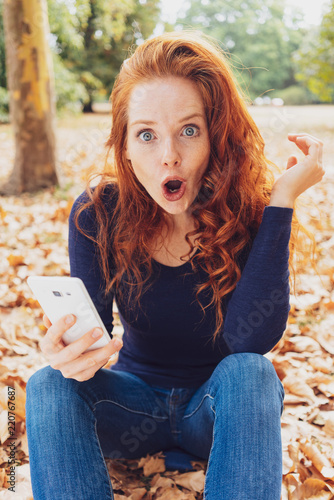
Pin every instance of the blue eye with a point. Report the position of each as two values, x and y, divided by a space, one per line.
146 135
192 128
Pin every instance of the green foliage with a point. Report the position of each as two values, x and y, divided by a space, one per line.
4 100
255 35
89 41
68 88
315 59
4 105
102 32
294 95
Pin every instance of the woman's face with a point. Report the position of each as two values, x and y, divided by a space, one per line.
168 140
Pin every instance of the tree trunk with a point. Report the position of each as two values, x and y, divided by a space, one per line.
32 101
88 107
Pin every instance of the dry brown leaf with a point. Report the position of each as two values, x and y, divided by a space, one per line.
327 389
326 342
137 494
315 489
299 388
290 458
152 464
172 494
307 302
329 305
319 460
161 482
2 477
193 481
15 260
303 343
284 492
4 432
292 399
321 364
288 463
329 424
293 484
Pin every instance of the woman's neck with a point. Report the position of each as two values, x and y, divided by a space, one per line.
179 225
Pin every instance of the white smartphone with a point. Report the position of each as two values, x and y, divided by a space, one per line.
62 295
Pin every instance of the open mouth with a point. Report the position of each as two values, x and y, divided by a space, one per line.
173 186
174 189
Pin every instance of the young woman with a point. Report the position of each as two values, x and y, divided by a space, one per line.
190 235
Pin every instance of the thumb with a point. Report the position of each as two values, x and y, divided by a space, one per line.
47 322
291 162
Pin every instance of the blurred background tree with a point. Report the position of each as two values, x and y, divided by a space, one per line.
89 41
30 80
91 38
315 58
256 36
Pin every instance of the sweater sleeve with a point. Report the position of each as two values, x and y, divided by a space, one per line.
258 310
84 261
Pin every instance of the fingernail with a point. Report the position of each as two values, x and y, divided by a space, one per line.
118 343
97 333
69 319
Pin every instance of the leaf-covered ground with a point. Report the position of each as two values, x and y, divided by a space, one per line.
33 241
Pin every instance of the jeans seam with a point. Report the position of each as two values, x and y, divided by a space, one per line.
190 414
129 409
104 462
208 464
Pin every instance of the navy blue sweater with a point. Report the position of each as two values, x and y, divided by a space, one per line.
167 342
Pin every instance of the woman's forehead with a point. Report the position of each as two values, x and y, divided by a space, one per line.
149 97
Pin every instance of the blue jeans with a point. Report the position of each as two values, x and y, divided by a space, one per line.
232 420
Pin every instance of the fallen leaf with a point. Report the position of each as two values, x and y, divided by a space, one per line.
318 459
152 464
193 481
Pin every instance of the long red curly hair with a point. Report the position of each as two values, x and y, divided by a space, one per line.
235 188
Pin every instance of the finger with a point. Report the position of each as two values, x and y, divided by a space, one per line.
314 152
46 321
292 161
293 137
92 360
308 146
52 342
49 350
302 134
57 330
71 352
88 373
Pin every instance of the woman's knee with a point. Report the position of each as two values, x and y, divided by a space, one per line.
248 372
46 380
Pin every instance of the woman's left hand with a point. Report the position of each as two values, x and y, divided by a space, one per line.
299 176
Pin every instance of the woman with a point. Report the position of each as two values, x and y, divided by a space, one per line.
190 236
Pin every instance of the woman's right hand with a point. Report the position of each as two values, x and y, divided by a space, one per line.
69 359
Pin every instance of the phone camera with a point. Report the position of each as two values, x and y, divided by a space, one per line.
57 294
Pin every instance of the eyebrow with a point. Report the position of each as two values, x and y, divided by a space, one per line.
148 122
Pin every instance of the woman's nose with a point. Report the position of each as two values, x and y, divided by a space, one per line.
170 154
